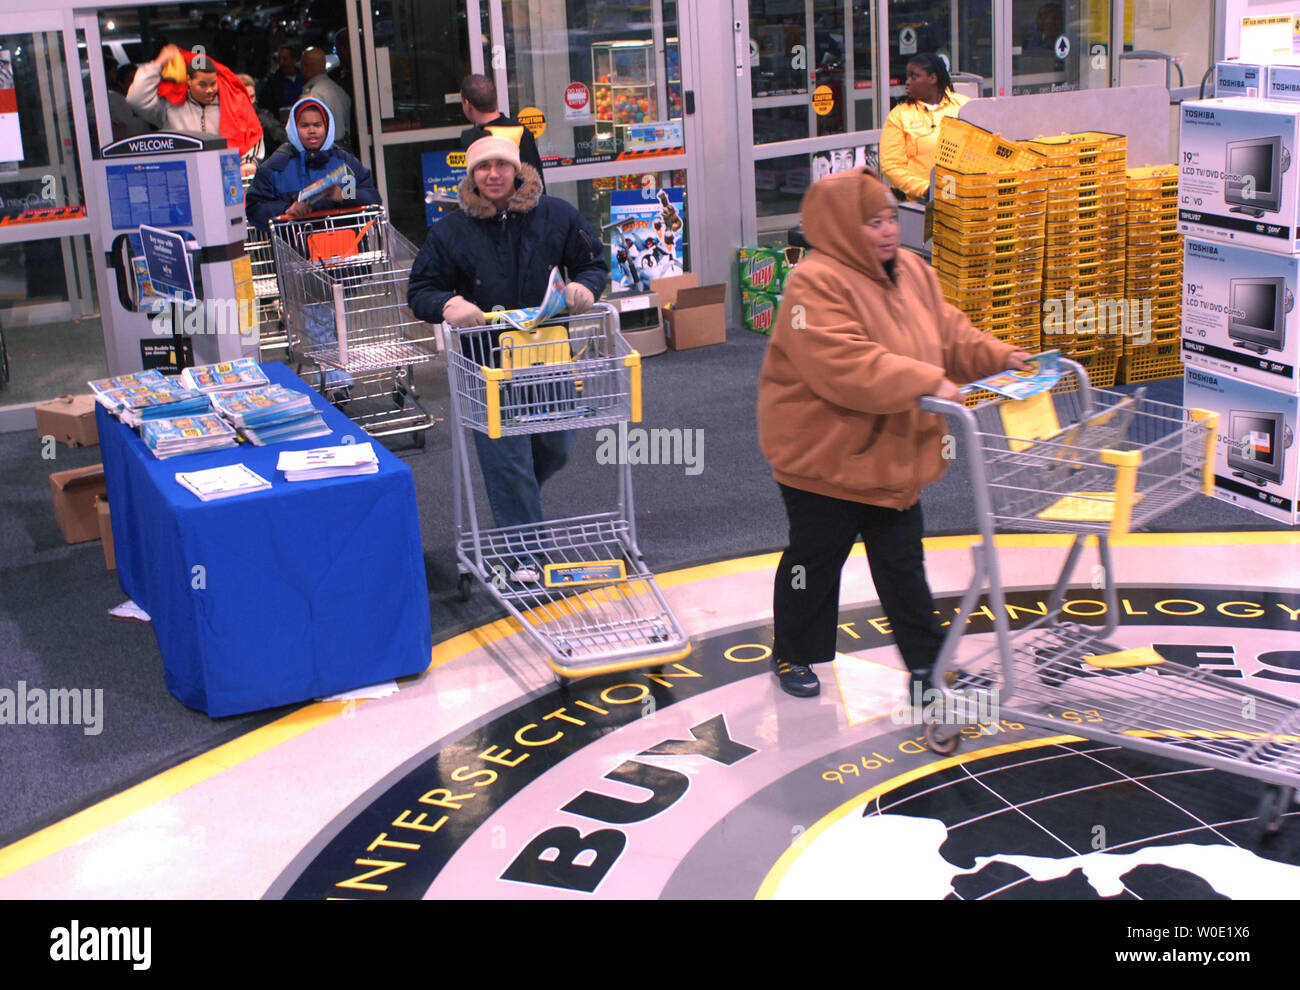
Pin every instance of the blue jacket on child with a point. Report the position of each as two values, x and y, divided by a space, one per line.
292 168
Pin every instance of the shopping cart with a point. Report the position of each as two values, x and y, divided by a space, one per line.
266 288
595 606
343 277
1098 463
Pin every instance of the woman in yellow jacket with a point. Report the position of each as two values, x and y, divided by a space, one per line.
911 136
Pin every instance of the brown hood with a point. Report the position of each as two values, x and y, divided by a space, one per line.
833 212
523 201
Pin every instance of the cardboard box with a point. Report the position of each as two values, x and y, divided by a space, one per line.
758 310
74 495
1238 79
1239 313
1255 461
1236 179
105 532
765 269
694 315
70 419
1282 82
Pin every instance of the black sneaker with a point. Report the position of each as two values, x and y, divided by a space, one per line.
796 679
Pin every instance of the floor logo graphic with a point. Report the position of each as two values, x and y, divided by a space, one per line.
699 779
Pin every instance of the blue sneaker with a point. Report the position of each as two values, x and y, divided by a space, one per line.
796 679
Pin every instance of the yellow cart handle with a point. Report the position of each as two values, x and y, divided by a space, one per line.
1211 423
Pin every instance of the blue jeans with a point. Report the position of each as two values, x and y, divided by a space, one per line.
514 470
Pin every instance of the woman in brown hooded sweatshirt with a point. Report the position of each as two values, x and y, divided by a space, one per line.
862 334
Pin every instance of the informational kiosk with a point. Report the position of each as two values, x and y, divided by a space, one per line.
175 284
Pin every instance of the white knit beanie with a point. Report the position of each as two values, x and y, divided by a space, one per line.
488 148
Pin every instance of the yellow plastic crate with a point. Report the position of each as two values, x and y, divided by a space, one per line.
971 149
1149 362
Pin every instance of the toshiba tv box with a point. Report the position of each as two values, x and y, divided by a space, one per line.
1239 313
1236 182
1255 460
1239 79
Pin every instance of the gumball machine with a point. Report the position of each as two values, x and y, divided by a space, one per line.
624 89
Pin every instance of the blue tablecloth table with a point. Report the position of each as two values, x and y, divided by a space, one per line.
274 597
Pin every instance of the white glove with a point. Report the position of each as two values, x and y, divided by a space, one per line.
460 313
578 298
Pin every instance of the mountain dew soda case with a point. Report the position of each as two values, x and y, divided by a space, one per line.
760 269
759 310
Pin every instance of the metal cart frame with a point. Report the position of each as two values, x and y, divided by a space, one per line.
343 278
1115 463
596 607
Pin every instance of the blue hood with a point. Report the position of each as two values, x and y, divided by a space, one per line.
291 128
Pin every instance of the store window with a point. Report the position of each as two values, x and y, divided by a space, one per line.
424 44
811 68
599 80
44 279
1060 45
961 33
1181 29
779 183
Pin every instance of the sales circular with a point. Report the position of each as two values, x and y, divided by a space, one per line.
701 779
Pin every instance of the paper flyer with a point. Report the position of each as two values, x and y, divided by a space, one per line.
336 177
1045 372
553 303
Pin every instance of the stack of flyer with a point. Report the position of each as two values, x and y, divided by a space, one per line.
328 462
108 391
228 376
271 414
222 482
135 404
187 435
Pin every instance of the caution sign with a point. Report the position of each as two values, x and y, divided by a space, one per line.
534 120
823 100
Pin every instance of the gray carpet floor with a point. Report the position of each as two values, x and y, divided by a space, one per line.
55 631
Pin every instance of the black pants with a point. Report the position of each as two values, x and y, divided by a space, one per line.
806 602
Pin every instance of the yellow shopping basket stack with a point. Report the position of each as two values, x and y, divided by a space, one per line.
987 230
1083 280
1154 275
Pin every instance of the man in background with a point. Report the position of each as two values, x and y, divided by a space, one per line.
478 101
126 123
283 85
319 86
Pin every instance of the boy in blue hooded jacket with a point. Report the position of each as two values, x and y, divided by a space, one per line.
309 156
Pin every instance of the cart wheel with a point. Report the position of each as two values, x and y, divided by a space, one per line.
420 438
464 585
658 631
942 739
1273 804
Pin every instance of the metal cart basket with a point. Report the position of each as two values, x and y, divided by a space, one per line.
594 607
266 288
1098 463
343 277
